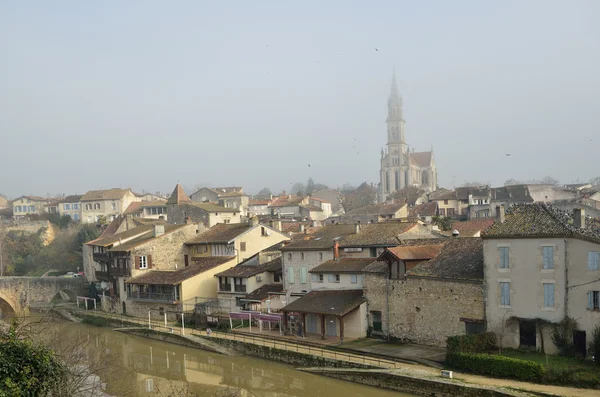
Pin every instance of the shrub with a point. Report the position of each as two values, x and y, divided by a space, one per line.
96 321
594 347
496 366
478 343
575 377
562 337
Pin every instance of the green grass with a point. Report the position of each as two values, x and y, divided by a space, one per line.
37 273
552 361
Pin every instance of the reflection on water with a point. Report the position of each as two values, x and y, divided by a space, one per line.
144 367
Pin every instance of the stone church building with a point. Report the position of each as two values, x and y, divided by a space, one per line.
399 166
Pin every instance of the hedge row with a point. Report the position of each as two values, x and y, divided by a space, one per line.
478 343
496 366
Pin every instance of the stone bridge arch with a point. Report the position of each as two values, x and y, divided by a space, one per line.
7 308
19 293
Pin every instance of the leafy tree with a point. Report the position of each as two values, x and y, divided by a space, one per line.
472 184
361 197
594 347
311 186
443 222
511 181
548 180
298 188
102 220
86 233
265 192
26 368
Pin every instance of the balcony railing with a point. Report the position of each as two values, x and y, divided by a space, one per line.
225 287
120 272
151 296
100 257
240 288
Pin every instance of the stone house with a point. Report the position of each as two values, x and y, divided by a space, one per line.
288 206
312 212
71 206
331 196
107 203
425 211
453 204
28 205
345 276
238 240
180 208
541 265
423 293
370 240
132 253
479 202
238 286
324 205
258 207
228 197
3 202
156 209
306 252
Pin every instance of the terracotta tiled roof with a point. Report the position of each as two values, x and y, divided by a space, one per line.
174 277
136 206
73 198
33 198
377 234
438 193
178 196
332 302
415 252
259 202
252 270
319 239
408 194
221 233
425 209
469 228
145 238
263 292
343 265
540 220
111 194
421 159
284 201
378 209
459 259
230 194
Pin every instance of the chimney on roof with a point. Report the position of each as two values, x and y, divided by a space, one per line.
315 223
302 228
500 214
357 228
188 220
253 221
270 196
277 225
579 218
336 250
289 196
158 230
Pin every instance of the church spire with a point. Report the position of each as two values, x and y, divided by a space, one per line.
395 112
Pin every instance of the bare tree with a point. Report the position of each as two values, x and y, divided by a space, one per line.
595 181
511 181
549 180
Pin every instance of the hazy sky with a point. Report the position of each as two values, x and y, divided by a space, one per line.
143 94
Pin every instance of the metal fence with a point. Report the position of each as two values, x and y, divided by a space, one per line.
259 340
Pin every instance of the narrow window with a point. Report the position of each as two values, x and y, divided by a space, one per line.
289 256
291 274
548 257
143 262
505 294
303 275
594 300
243 246
593 260
549 295
503 252
354 278
320 256
302 256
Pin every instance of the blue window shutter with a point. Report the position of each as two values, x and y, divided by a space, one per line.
291 274
303 275
548 295
548 257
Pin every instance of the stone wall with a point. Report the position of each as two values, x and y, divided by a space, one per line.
409 384
176 214
423 310
140 309
17 293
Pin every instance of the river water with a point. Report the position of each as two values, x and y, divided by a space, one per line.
136 366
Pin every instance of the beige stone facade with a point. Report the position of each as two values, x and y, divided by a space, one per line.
106 203
28 205
422 310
